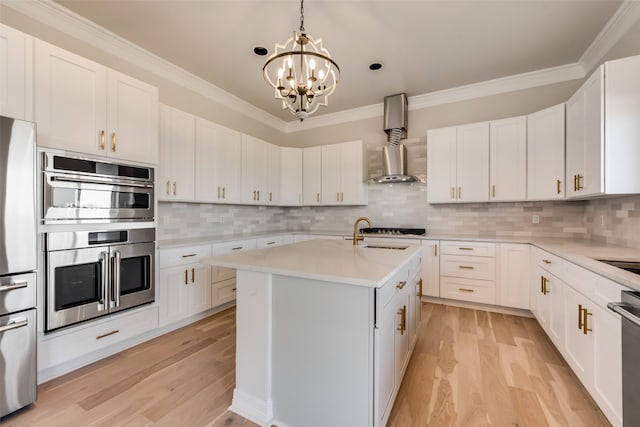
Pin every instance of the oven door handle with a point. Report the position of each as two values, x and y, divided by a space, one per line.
107 181
117 261
104 298
622 309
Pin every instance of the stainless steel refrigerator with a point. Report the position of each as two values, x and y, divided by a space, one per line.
18 262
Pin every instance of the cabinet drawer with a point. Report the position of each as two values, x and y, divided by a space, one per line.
482 291
219 274
553 264
393 285
268 242
484 249
470 267
182 256
224 292
65 346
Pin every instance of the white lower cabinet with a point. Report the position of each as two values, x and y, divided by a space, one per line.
513 275
430 268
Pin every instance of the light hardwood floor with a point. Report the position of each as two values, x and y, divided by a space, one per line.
469 368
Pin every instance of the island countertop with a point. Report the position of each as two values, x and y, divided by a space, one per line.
335 261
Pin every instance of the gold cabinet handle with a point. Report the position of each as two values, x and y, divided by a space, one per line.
419 294
193 275
541 284
585 327
223 195
186 277
401 285
435 250
459 192
575 182
558 185
338 196
466 267
108 334
493 190
234 289
258 194
270 196
318 197
218 192
254 194
465 249
544 286
453 193
188 255
403 319
168 188
102 135
113 142
465 290
174 188
546 261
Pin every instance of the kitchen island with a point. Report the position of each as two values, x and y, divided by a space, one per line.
325 330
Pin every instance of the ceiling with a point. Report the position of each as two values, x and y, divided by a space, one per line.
425 46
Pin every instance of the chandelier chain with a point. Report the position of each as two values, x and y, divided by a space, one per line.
301 15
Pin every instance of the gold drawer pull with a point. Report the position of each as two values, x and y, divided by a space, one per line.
465 290
465 249
419 294
546 261
193 275
558 184
401 285
223 196
218 192
113 142
108 334
188 255
453 193
466 267
102 139
186 277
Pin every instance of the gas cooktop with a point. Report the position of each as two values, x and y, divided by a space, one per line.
394 231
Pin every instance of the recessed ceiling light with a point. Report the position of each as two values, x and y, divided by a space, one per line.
260 50
375 66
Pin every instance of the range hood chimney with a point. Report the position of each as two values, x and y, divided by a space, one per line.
394 155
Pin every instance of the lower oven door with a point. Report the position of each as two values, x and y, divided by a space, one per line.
132 281
76 285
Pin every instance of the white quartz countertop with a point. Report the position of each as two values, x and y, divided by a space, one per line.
336 261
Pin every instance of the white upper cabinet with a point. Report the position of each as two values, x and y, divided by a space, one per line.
603 132
218 163
13 72
290 176
545 154
330 174
274 166
508 159
176 170
441 165
254 170
342 175
82 106
311 175
458 164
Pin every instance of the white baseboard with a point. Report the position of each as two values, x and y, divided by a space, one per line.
255 410
479 306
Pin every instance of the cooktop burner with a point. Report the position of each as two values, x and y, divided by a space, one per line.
391 230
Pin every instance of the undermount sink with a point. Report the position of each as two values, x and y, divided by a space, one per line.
632 266
401 248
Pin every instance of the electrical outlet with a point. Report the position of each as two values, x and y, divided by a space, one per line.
535 219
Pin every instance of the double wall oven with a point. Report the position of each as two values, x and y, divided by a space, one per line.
95 270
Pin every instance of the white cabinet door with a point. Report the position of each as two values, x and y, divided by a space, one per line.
508 159
543 300
441 165
430 268
607 364
132 118
274 166
173 304
311 175
575 142
385 360
70 101
579 341
472 172
176 171
352 187
545 154
330 194
198 289
555 294
513 275
218 163
291 176
13 72
254 170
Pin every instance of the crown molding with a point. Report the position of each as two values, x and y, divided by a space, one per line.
59 18
625 17
513 83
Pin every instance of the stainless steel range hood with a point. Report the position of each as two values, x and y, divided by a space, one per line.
394 155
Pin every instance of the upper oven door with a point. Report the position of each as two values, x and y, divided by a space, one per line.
77 285
72 198
132 281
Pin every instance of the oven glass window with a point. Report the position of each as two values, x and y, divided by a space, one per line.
135 274
77 285
95 199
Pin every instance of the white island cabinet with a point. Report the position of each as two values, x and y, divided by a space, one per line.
325 330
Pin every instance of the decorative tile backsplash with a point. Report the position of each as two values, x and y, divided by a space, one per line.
614 220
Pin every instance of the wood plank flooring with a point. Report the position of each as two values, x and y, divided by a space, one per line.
469 368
